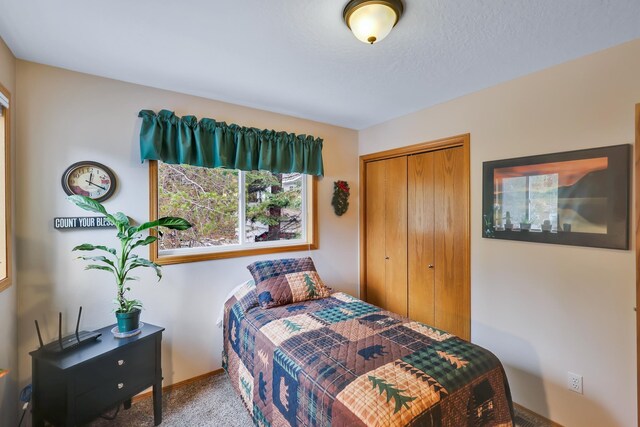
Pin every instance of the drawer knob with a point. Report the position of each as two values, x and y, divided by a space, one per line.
120 385
120 362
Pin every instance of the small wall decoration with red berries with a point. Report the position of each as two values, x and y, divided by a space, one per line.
340 199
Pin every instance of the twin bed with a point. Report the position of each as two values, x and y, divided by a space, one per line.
299 355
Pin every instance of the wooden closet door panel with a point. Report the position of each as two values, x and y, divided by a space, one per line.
420 237
396 234
375 233
452 291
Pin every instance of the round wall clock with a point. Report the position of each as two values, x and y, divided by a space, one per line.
91 179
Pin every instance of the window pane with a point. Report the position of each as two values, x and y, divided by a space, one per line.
543 194
207 198
514 199
273 206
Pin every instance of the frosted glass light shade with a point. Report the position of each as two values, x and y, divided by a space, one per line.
372 20
372 23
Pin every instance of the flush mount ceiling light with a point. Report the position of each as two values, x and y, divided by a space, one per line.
372 20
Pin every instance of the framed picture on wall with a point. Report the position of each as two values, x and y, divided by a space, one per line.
572 198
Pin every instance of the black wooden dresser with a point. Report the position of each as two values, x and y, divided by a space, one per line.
74 387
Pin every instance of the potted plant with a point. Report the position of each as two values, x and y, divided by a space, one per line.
508 225
122 261
525 223
546 225
488 227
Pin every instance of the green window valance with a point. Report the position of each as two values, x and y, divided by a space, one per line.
212 144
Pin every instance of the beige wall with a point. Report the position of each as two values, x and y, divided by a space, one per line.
64 117
8 319
547 309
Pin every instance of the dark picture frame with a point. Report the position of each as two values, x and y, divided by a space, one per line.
578 198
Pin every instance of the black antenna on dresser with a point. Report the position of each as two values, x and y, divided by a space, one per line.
39 335
78 323
60 330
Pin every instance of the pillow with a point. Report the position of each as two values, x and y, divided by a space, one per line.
245 298
283 281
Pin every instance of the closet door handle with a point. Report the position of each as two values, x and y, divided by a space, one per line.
430 266
386 257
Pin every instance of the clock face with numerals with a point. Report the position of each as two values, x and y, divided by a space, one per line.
91 179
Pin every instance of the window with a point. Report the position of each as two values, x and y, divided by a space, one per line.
531 199
234 213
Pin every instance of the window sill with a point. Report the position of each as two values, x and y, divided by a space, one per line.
208 256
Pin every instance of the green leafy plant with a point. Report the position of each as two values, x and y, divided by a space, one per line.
526 220
488 227
121 262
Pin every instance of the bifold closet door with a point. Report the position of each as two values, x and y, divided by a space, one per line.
421 258
438 221
386 233
375 235
451 207
396 234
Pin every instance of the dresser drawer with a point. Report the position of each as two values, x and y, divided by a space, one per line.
107 394
132 361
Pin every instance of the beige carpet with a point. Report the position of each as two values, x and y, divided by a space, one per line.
211 402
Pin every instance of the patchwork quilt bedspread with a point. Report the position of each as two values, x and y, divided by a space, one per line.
339 361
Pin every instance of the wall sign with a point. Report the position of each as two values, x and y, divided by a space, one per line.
81 222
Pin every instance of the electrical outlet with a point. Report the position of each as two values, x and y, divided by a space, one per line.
574 382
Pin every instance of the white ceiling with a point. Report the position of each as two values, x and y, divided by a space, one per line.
297 57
